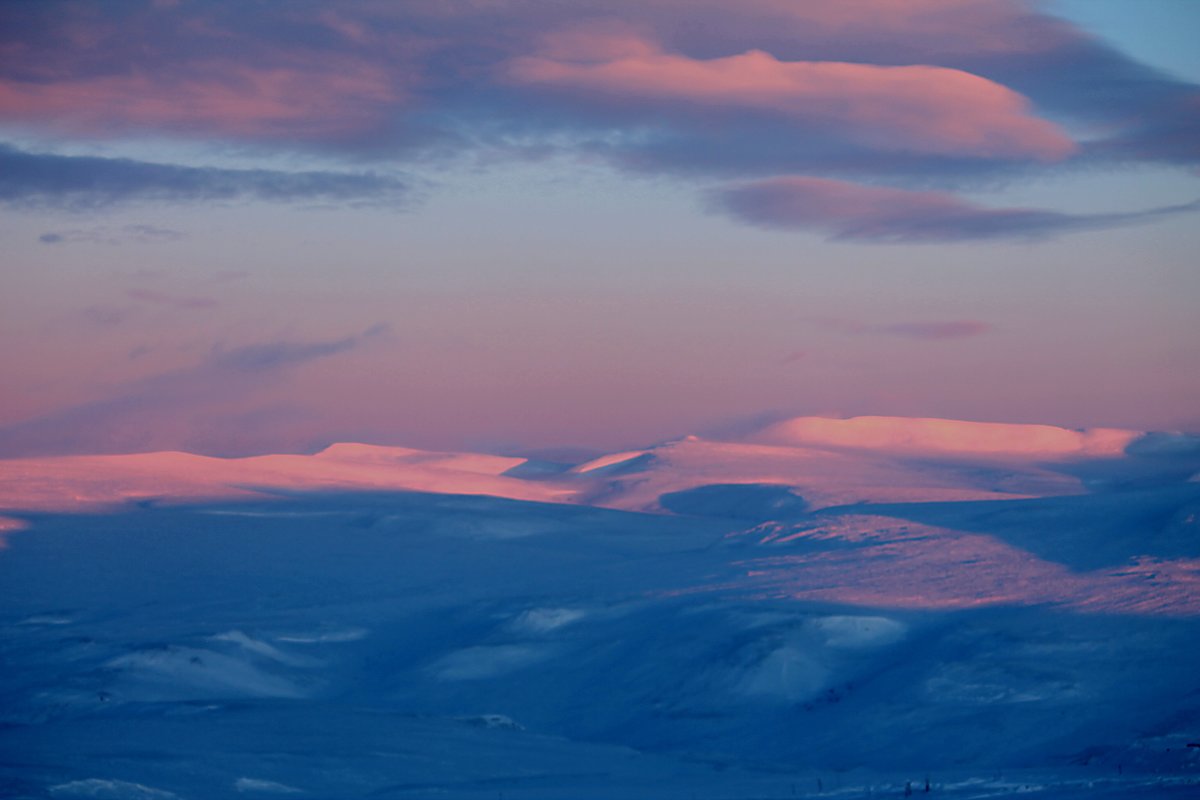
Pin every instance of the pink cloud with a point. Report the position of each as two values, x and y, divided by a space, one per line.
321 101
920 108
895 90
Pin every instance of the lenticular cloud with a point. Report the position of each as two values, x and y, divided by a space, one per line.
938 93
852 212
920 108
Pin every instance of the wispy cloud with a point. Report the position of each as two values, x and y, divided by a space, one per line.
153 233
854 212
169 409
142 234
272 356
930 330
89 182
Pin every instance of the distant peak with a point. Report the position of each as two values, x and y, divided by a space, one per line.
357 450
383 456
624 462
946 436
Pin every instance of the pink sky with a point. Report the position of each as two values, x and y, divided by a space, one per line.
531 225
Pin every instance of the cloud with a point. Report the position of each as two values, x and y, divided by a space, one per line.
143 234
917 94
276 355
1127 109
173 409
88 182
153 233
909 108
852 212
1172 137
368 76
932 330
195 72
328 100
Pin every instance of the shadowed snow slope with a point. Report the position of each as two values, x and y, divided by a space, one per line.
792 620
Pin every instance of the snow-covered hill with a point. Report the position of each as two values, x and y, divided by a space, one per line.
948 437
840 608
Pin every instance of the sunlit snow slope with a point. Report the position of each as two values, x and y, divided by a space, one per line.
827 607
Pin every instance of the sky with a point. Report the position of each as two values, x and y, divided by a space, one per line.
523 225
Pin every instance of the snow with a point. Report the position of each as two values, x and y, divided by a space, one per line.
365 454
192 673
818 477
697 619
259 785
544 620
948 437
96 481
855 633
109 790
474 663
320 637
613 462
